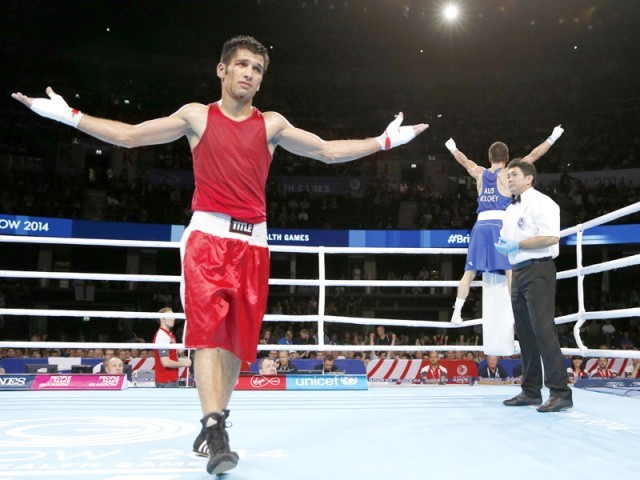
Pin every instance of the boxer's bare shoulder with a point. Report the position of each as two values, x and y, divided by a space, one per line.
195 117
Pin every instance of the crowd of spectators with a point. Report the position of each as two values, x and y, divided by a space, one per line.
45 194
283 335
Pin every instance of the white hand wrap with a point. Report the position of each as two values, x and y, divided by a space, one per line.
395 135
555 135
451 145
57 109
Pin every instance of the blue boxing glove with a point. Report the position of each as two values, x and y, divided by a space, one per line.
506 246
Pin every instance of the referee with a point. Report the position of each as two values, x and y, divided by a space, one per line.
530 236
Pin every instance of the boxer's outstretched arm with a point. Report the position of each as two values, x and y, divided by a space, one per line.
160 130
544 147
470 166
307 144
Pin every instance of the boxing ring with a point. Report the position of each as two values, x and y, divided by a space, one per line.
400 432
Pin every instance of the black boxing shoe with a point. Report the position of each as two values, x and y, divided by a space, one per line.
522 400
200 446
221 458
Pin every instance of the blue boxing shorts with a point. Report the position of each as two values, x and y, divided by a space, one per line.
482 256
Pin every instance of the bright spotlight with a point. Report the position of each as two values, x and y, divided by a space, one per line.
451 12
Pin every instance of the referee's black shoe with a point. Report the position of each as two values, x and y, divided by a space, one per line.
522 400
555 405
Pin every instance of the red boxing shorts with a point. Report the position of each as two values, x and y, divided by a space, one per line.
225 283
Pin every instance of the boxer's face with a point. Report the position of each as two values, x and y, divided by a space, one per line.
242 76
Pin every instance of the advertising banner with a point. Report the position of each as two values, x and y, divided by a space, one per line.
65 228
35 226
16 382
79 382
302 382
261 382
327 382
403 371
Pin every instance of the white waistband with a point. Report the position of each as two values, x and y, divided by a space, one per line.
220 225
491 215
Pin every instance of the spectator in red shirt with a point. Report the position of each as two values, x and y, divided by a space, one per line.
576 371
167 363
434 372
603 370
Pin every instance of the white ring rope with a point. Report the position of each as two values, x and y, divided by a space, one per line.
89 242
272 248
41 312
89 276
269 317
272 281
298 348
580 272
601 267
606 218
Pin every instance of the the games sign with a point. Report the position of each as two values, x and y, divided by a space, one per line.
459 238
16 382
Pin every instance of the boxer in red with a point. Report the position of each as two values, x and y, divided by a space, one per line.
224 250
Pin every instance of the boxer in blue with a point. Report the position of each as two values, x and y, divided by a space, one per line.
493 199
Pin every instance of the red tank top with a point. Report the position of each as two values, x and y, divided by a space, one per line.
165 375
231 164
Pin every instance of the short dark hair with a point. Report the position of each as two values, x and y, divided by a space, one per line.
261 362
245 42
527 168
498 153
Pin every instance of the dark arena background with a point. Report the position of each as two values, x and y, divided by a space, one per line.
89 232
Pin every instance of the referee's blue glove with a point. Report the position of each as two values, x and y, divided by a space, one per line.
506 246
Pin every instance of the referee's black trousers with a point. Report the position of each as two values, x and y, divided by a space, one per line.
533 295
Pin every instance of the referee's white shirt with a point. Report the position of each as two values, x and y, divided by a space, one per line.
535 215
